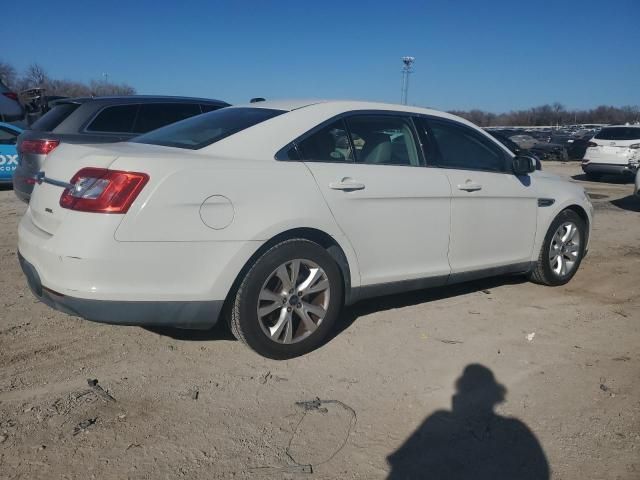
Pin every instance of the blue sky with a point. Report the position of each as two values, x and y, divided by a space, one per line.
491 54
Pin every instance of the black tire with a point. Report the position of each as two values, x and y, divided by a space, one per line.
543 273
243 316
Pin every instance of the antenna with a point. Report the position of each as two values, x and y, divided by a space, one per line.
407 69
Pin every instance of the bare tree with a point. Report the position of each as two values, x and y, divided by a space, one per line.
101 88
36 76
8 74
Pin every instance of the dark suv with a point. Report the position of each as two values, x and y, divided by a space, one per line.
97 120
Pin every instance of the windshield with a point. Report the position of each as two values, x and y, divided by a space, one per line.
202 130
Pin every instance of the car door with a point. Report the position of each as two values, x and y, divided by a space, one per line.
393 210
493 211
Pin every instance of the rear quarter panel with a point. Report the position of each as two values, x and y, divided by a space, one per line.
267 197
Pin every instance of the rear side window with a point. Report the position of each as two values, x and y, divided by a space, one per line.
116 119
383 140
329 144
54 117
202 130
156 115
207 107
461 147
619 133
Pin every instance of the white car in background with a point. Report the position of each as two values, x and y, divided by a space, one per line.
614 150
276 214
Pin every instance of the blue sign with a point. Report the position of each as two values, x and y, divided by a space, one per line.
8 152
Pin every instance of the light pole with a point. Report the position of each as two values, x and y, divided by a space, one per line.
407 69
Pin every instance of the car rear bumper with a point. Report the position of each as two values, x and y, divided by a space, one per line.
608 168
82 270
180 314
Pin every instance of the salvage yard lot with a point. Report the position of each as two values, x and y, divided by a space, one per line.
200 405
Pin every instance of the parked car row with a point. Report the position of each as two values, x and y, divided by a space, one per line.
528 144
273 215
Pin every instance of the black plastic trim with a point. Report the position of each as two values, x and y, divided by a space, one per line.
546 202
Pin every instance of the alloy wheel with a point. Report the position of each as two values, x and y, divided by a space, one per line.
293 301
564 250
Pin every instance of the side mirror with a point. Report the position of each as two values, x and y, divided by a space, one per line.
523 165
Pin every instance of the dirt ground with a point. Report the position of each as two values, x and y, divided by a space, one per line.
410 386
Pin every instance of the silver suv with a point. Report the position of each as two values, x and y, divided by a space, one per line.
98 120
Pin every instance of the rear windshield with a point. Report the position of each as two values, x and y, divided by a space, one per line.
54 117
205 129
619 133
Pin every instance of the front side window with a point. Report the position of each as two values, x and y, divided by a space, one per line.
156 115
116 119
202 130
383 140
461 147
329 144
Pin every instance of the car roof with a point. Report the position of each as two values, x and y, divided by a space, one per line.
347 105
140 99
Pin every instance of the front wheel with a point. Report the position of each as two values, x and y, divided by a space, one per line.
562 250
288 301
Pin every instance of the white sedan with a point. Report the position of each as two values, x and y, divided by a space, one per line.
274 215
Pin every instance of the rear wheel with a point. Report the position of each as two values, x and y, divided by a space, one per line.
288 301
562 250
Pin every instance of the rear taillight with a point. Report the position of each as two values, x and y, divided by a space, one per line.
592 144
39 147
103 191
635 146
11 95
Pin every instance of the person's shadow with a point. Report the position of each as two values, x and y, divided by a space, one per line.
471 441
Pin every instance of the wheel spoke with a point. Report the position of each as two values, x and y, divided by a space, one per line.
295 270
572 232
572 250
317 310
288 333
558 264
281 324
283 276
269 296
318 287
266 310
307 321
314 275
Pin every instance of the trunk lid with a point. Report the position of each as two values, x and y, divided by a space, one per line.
60 165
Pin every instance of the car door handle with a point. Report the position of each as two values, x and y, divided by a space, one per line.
470 187
346 184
